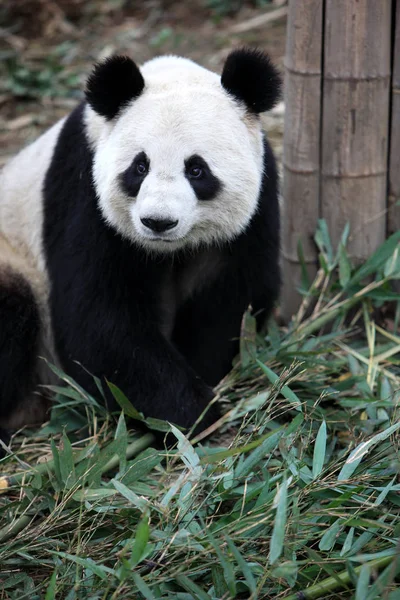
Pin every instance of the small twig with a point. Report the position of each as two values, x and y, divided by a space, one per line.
260 20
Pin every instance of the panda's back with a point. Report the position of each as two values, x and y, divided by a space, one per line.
21 200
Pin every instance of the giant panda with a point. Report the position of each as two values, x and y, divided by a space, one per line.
135 233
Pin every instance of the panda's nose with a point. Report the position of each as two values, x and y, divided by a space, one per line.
159 225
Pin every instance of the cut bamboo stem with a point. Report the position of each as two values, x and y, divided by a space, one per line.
394 160
301 160
355 121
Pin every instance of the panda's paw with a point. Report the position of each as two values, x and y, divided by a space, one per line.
201 409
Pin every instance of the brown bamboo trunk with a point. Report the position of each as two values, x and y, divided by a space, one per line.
301 158
394 160
355 120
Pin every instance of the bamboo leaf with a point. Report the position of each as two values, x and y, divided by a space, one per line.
347 542
329 538
285 390
344 267
362 449
87 563
377 260
244 567
124 403
363 582
51 588
141 540
66 462
133 498
268 445
319 451
197 593
143 587
278 532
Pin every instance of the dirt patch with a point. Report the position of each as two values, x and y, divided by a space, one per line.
46 55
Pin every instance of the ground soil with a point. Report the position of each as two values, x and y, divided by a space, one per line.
58 43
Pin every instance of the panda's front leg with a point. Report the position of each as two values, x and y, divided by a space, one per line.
138 359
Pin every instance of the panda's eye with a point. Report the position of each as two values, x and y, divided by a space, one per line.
200 176
195 172
141 168
132 178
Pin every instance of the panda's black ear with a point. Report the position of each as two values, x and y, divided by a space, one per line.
250 77
113 84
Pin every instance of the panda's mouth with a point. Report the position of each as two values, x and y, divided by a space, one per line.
161 239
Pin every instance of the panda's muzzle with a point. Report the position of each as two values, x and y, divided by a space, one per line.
159 225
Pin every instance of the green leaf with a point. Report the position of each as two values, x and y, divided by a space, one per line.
377 260
87 563
344 267
66 463
124 403
385 492
278 532
141 466
285 390
228 573
323 241
287 570
243 565
51 588
363 582
121 436
319 451
188 453
382 583
143 587
141 540
347 542
220 587
197 593
362 449
329 538
392 266
268 446
139 503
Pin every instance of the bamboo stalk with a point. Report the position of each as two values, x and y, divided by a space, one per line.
301 155
394 160
355 121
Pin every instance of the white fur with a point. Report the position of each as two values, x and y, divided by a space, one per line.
21 199
21 219
182 111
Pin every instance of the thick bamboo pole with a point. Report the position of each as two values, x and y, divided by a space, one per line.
355 120
301 160
394 160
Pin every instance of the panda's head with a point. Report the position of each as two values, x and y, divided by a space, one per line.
178 150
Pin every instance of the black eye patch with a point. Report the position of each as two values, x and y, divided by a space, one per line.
203 181
132 178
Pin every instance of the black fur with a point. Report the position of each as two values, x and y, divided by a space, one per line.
131 179
250 77
105 293
19 335
113 84
206 186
